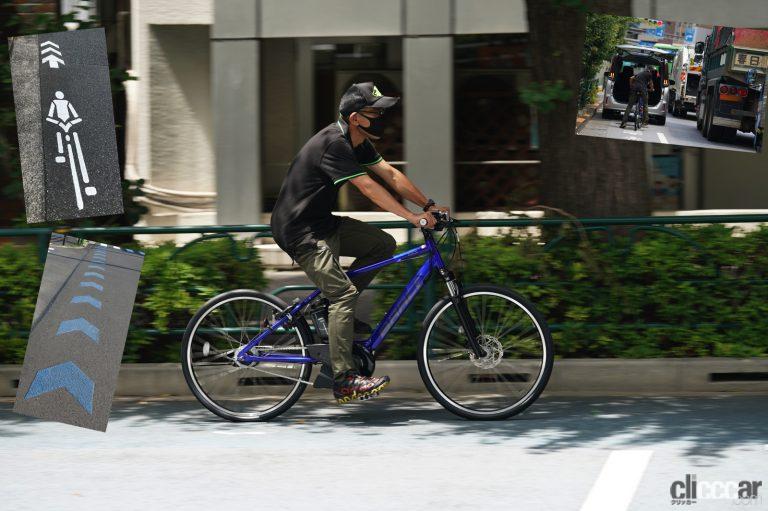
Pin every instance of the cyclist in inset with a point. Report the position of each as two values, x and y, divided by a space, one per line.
303 226
639 85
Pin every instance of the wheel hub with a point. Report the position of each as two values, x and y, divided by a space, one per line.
493 352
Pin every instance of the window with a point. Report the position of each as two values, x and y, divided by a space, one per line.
494 138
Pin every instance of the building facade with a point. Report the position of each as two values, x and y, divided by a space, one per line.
229 90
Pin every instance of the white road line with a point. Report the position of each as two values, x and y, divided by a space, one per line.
618 480
662 138
226 432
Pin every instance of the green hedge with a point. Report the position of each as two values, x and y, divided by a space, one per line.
696 291
703 294
170 291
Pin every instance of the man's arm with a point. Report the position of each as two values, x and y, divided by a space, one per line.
382 198
399 182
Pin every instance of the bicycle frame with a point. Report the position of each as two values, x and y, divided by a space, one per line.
639 109
432 262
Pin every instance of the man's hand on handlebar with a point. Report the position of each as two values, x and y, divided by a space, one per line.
444 209
428 217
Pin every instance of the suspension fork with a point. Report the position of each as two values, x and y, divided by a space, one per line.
465 318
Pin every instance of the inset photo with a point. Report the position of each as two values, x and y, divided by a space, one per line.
78 332
66 128
674 82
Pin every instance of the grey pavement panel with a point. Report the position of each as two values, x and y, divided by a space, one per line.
66 125
26 95
78 334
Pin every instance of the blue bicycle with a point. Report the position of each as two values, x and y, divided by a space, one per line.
639 111
484 351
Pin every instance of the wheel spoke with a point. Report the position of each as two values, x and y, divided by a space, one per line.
226 326
511 369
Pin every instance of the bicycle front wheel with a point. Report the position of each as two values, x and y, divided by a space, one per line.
235 391
515 369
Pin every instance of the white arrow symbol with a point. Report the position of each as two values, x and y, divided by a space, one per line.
53 61
51 50
51 43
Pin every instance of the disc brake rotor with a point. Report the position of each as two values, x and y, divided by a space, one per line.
493 352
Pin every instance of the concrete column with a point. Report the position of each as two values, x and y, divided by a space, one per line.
236 105
305 91
428 115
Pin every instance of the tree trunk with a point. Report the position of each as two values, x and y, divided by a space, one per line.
585 176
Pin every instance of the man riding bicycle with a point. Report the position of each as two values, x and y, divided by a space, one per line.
639 85
304 227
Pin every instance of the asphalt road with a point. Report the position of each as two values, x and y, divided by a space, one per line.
391 453
676 131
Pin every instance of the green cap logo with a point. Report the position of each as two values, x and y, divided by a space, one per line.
376 92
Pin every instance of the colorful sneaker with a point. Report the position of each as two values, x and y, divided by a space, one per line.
354 386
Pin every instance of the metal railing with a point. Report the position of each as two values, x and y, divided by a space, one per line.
638 224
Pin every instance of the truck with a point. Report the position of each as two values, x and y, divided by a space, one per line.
686 70
761 113
725 101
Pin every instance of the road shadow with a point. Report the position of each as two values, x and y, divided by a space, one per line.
706 426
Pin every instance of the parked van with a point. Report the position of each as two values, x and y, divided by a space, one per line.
616 95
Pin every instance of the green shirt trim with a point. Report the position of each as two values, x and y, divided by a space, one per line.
348 177
373 162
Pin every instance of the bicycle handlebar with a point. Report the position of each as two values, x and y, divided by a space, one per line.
442 219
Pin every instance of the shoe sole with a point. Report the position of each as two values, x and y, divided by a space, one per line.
362 396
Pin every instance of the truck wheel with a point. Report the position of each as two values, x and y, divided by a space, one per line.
699 120
707 119
714 133
727 134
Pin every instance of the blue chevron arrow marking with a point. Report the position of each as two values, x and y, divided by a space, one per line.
79 325
86 299
96 267
68 376
93 274
93 285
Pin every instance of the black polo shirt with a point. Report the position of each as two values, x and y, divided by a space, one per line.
302 213
642 79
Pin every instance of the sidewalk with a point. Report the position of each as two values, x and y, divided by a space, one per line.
586 113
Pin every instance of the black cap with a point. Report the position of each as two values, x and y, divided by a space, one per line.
361 95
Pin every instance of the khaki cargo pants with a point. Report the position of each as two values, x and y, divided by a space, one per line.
368 244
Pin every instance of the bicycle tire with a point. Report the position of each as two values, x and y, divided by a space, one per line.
529 398
299 388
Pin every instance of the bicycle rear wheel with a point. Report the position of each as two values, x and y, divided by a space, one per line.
232 390
518 361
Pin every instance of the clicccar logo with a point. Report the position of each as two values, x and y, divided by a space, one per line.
691 490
